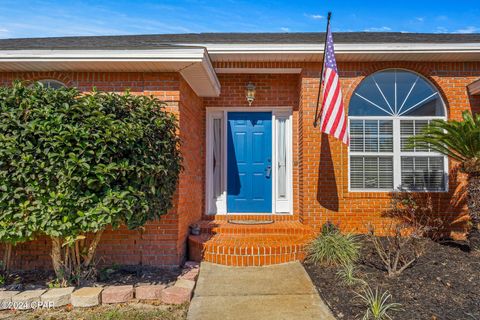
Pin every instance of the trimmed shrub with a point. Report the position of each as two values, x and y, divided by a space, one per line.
73 164
399 251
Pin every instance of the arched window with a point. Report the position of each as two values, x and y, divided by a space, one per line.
54 84
386 109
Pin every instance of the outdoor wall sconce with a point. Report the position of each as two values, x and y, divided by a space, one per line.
250 93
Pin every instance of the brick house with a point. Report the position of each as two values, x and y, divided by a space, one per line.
266 161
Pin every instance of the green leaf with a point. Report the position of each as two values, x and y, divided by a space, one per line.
74 163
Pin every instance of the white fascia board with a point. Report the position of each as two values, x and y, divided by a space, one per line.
199 53
210 70
199 73
343 48
179 54
346 52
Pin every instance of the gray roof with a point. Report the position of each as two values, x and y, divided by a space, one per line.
155 41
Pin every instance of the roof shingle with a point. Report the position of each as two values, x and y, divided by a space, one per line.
156 41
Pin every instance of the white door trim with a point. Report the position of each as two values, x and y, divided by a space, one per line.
219 205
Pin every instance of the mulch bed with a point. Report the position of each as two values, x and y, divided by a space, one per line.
114 275
443 284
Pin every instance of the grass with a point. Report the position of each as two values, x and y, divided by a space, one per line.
131 311
334 248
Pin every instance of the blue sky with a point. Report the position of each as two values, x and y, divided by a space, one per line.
32 18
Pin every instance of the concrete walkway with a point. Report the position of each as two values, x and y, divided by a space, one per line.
274 292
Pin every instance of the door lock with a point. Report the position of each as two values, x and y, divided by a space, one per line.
268 172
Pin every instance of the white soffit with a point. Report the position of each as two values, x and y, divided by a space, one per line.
348 52
474 88
260 70
192 63
203 77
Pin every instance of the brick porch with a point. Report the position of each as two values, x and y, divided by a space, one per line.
250 245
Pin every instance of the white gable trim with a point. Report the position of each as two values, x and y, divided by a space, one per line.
192 63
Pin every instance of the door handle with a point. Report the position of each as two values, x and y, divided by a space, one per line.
268 172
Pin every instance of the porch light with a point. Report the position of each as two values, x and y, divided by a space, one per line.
250 93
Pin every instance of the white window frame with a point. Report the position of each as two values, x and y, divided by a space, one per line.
218 206
397 154
47 82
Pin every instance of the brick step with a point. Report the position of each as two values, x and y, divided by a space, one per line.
255 217
278 227
248 249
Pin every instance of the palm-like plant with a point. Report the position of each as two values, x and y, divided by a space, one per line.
377 303
460 140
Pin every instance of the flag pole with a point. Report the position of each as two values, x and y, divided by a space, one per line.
315 121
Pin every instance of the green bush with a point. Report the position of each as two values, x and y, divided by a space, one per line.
73 164
333 248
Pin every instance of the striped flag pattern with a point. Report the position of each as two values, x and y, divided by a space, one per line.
334 121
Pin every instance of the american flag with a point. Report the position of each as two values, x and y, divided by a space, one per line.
334 120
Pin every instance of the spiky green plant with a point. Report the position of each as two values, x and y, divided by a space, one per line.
377 304
347 275
334 248
460 140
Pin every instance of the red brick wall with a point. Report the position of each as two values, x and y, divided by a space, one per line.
162 242
324 174
192 183
320 172
321 163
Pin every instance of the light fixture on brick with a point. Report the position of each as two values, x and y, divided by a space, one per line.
250 92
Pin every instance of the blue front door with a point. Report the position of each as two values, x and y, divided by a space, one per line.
249 187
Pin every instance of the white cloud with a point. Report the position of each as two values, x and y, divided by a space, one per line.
469 29
285 29
420 19
378 29
4 33
314 16
441 30
50 20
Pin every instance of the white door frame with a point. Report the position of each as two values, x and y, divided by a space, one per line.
219 205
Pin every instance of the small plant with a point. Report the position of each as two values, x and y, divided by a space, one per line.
334 248
329 227
347 275
107 272
2 279
378 305
416 211
57 283
397 252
